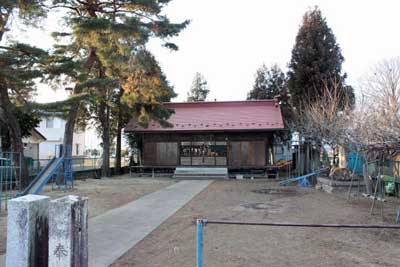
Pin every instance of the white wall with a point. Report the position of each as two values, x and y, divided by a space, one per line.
55 133
55 136
79 145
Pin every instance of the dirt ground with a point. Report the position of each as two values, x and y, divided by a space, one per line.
104 194
173 243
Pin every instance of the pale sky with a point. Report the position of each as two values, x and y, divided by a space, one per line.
229 39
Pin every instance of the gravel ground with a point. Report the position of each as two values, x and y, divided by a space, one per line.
104 194
173 243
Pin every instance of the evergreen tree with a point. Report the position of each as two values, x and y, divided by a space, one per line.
106 34
27 118
146 89
269 83
20 65
316 62
143 94
199 89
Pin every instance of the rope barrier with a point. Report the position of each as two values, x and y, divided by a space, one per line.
203 222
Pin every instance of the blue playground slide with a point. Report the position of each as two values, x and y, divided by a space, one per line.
58 165
43 177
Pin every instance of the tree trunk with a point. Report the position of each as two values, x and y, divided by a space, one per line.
308 159
317 157
104 117
367 182
119 133
15 133
118 149
69 129
3 21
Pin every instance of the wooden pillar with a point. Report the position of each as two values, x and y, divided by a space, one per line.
367 182
307 158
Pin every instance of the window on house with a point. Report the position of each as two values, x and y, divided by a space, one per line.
77 149
50 123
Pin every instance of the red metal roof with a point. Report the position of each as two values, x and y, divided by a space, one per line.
255 115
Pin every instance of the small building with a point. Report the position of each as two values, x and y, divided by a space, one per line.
31 144
234 134
53 129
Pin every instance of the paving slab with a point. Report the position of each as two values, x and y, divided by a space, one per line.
114 232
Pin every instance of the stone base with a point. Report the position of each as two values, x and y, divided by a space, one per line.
68 232
330 186
27 231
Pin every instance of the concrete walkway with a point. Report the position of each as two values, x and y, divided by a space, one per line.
114 232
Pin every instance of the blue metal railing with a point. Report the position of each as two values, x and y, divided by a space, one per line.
199 242
78 163
10 176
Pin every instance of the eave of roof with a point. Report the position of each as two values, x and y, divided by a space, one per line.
40 134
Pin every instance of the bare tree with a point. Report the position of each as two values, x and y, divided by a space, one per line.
327 120
377 120
375 127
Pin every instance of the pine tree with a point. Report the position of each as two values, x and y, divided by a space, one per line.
142 95
107 33
20 64
199 89
146 89
316 62
269 83
27 119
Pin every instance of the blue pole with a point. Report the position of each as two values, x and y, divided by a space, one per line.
199 243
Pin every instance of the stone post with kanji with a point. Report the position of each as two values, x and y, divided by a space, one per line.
27 231
68 232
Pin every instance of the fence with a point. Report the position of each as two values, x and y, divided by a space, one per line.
78 164
200 223
10 176
387 170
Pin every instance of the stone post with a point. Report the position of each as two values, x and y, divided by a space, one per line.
27 231
68 232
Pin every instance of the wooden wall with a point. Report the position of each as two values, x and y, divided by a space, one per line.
243 149
161 154
246 153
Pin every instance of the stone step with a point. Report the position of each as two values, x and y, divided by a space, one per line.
200 173
203 174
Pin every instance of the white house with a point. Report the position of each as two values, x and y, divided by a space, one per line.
53 129
32 143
